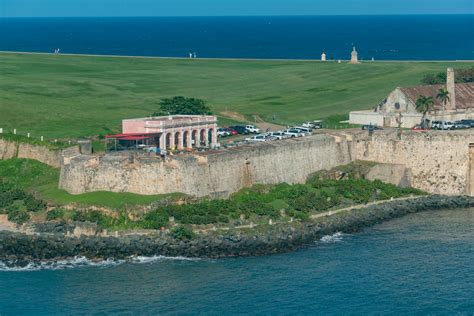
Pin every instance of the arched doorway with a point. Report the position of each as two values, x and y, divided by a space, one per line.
176 143
210 135
169 140
195 138
186 140
204 137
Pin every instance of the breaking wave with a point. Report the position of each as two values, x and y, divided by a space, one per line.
333 238
78 262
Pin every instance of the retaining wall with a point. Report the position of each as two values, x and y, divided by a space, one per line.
10 149
437 162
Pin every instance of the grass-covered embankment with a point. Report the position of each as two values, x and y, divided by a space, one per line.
42 181
257 205
74 96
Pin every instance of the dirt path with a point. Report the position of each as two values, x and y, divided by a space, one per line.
356 207
329 213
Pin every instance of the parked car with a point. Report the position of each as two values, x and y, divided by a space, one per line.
293 133
446 125
461 125
419 128
240 129
231 131
278 135
252 129
257 138
305 130
468 122
436 125
314 124
371 127
222 132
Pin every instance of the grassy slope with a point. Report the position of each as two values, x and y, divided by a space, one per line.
40 179
59 96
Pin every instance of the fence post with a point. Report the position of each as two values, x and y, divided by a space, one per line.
28 135
14 131
1 130
41 138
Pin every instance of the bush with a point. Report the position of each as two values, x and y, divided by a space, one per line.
98 217
182 233
18 215
55 214
155 220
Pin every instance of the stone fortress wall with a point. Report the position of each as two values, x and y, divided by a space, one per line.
438 162
11 149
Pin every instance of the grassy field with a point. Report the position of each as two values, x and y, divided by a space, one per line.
72 96
42 180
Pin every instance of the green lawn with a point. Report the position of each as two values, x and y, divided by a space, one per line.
72 96
42 180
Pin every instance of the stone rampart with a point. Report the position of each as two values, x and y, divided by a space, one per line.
11 149
218 173
437 162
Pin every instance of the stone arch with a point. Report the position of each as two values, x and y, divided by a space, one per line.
176 140
195 138
203 137
186 139
169 138
211 135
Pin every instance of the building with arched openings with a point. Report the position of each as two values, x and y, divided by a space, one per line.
180 132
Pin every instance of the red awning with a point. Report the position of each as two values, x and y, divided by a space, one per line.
131 136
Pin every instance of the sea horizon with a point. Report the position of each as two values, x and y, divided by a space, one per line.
304 37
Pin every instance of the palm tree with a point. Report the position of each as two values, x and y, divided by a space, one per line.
424 105
444 97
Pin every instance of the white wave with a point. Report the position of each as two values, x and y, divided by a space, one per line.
78 262
333 238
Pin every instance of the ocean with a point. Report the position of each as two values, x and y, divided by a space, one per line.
413 37
417 264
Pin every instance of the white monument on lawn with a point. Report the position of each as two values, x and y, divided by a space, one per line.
354 56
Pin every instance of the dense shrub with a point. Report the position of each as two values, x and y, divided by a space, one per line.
18 215
55 214
182 233
9 194
103 220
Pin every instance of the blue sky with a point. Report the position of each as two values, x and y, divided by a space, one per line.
10 8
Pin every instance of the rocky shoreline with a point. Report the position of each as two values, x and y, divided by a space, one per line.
19 249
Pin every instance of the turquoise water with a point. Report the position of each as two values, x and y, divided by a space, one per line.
419 264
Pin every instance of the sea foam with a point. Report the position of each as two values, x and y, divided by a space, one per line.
79 262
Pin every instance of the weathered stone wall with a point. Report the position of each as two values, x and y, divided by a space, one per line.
437 162
217 173
9 149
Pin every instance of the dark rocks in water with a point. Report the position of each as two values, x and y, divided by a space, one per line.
50 242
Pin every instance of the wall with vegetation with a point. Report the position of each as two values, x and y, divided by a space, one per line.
12 149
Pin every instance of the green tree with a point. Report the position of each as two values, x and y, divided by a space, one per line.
424 105
182 105
444 97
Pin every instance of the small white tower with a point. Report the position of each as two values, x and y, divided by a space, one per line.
323 56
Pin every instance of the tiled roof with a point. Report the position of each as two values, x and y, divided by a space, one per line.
464 94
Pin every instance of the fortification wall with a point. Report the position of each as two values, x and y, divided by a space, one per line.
9 149
218 174
438 162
